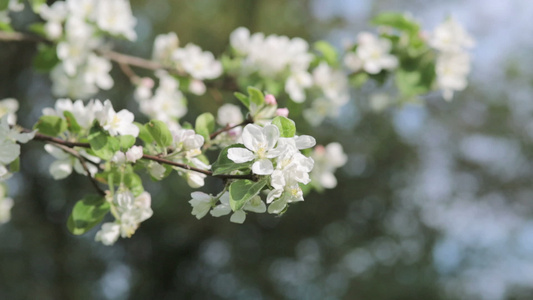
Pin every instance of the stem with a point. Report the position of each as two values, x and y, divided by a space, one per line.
69 145
228 127
83 164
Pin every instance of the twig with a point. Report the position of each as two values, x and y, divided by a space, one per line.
21 37
68 145
134 78
83 164
228 127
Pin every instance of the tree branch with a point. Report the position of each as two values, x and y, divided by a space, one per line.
248 120
69 145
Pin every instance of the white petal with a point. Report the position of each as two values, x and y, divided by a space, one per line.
277 206
220 210
251 135
274 194
238 217
272 135
60 169
263 167
304 141
240 155
8 152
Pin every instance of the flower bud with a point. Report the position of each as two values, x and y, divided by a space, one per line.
284 112
270 99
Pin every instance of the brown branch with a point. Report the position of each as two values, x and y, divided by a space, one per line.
83 164
228 128
134 78
68 145
22 37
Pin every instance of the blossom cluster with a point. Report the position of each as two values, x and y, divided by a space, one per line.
129 211
327 159
190 59
77 26
453 61
371 55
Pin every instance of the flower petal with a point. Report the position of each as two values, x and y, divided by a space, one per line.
240 155
263 167
238 217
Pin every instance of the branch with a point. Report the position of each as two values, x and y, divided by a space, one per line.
83 164
248 120
22 37
69 145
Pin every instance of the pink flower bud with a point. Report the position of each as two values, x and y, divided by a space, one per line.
284 112
320 150
270 99
147 82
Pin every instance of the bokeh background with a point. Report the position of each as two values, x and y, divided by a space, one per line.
435 202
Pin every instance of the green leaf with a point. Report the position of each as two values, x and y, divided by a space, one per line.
87 213
103 145
241 191
205 124
328 52
4 4
36 4
51 125
417 81
256 96
72 124
144 134
160 133
46 58
357 80
398 21
243 98
6 27
134 183
14 166
126 141
37 28
286 126
224 165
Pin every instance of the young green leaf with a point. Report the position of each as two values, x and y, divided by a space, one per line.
45 59
126 141
72 124
224 165
87 213
160 133
144 134
243 98
328 52
241 191
51 125
205 124
286 126
103 145
256 96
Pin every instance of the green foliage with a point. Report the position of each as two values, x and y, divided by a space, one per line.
327 51
87 213
241 191
72 124
205 124
286 126
397 20
36 4
224 165
256 96
160 133
126 141
144 134
51 125
243 98
46 58
37 28
103 145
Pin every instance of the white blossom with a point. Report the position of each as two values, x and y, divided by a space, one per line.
164 46
108 234
199 64
229 114
450 36
97 72
134 153
117 123
327 160
296 84
8 107
201 204
333 83
167 104
259 143
115 17
374 54
452 70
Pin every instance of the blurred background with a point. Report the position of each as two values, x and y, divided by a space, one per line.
435 201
